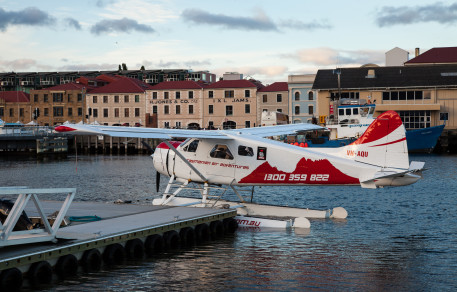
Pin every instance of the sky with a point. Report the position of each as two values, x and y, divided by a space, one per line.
261 39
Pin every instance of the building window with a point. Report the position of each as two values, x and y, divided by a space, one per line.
11 112
154 95
297 110
279 97
105 99
210 109
2 111
178 95
265 98
35 97
178 109
116 112
178 125
310 110
94 99
57 97
80 111
116 98
69 97
191 94
229 110
229 93
137 98
45 98
264 110
126 99
166 124
247 93
310 95
154 109
405 95
80 97
70 112
126 112
297 95
191 109
416 119
46 112
57 111
279 110
105 112
166 109
137 112
21 112
210 125
247 124
95 112
247 108
165 95
210 94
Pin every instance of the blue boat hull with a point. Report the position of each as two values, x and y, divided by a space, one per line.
417 140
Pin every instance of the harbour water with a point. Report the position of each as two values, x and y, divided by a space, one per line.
394 239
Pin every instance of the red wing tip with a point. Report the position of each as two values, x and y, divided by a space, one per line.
64 129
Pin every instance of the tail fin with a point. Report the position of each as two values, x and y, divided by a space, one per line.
383 144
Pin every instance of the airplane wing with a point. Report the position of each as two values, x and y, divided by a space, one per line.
159 133
276 130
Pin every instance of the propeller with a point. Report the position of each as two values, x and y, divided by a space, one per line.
157 173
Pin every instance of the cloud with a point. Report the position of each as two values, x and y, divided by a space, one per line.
22 65
260 22
333 57
89 67
121 25
71 22
297 24
174 64
29 16
102 3
438 12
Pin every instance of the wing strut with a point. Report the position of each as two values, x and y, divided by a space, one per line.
186 161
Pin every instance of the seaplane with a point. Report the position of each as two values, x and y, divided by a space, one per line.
213 161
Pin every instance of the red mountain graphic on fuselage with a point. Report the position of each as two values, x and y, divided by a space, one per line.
306 172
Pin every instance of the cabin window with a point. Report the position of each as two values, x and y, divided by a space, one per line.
221 151
348 111
355 111
341 112
192 146
245 151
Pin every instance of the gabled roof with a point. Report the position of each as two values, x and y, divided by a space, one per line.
436 56
66 86
277 86
388 77
242 83
177 85
14 96
123 85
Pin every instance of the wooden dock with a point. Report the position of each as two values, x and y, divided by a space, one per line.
120 231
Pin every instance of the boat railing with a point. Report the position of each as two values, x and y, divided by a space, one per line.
27 131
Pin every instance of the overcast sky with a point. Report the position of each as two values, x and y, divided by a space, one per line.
267 40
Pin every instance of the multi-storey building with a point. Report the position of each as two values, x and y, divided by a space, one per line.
15 107
230 104
302 101
121 102
59 104
177 104
274 97
423 95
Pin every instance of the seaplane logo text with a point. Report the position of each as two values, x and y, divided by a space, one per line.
295 177
245 222
357 153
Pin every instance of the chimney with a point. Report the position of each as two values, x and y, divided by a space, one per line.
417 52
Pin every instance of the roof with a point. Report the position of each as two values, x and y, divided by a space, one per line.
277 86
14 96
242 83
66 86
388 77
177 85
436 56
123 85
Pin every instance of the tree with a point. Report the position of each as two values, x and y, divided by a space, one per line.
124 67
142 68
120 69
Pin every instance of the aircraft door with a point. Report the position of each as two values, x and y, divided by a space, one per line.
222 163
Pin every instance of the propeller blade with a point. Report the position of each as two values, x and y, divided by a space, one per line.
157 181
